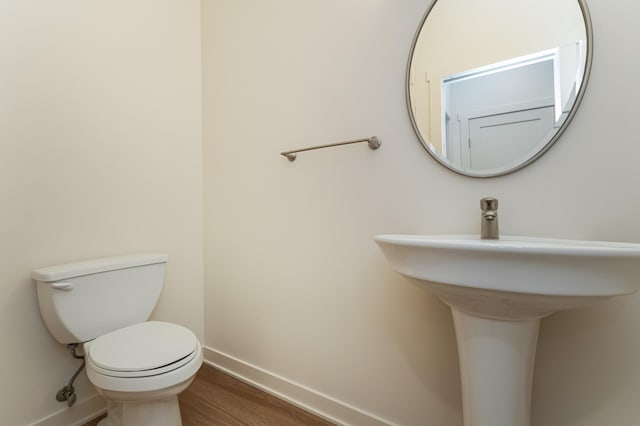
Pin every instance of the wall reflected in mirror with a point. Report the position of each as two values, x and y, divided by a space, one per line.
491 84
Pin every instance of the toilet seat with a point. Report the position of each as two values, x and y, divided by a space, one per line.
144 349
143 357
145 373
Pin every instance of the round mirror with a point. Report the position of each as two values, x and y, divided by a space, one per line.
492 84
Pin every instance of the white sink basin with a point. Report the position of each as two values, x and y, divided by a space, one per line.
498 291
515 277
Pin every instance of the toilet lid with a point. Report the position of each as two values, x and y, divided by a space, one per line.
145 346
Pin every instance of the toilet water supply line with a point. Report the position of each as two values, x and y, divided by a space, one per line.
68 393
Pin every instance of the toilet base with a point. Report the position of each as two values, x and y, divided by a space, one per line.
157 408
164 412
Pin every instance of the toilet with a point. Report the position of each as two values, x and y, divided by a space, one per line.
139 366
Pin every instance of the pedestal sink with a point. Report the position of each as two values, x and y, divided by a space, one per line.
498 291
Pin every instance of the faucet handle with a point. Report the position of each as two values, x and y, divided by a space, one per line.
489 203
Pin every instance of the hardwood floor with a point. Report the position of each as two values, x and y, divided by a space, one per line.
216 398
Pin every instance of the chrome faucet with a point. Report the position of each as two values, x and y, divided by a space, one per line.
489 219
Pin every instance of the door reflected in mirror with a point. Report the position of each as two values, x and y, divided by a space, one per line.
491 85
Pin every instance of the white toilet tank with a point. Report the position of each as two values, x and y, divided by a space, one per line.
84 300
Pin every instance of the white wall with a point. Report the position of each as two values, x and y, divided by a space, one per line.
100 154
294 284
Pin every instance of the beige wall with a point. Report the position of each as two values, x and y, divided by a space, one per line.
100 154
293 281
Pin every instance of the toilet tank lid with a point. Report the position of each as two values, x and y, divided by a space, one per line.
87 267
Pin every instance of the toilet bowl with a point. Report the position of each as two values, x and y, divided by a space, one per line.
139 366
141 369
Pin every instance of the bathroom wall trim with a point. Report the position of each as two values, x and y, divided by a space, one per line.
82 412
308 399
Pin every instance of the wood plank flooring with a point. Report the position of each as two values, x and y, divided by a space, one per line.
216 398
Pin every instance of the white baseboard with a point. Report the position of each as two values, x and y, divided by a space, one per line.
315 402
82 412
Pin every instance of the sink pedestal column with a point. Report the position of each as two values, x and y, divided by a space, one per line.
496 367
